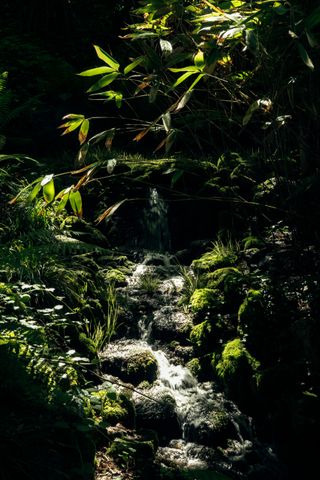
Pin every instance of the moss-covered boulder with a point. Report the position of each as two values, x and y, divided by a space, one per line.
115 276
202 337
238 371
134 452
132 363
205 299
110 407
212 260
254 323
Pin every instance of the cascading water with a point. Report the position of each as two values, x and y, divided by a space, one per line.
215 438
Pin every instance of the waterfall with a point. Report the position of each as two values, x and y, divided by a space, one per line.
155 223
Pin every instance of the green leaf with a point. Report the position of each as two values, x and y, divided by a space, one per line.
196 81
96 71
103 82
182 78
76 202
34 192
73 116
134 64
305 57
191 68
105 57
63 202
83 132
49 191
46 179
71 125
177 174
199 59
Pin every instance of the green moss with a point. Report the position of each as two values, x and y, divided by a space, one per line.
252 242
204 299
194 366
251 314
142 366
115 276
211 260
201 336
109 407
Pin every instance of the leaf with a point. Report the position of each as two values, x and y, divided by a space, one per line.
305 57
133 65
46 179
95 71
199 59
166 120
83 132
313 19
63 202
183 101
110 211
73 116
103 82
76 202
166 47
182 78
34 192
191 68
178 174
71 125
82 154
196 81
313 42
105 57
48 191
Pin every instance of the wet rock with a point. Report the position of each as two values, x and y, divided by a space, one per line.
130 362
157 411
170 324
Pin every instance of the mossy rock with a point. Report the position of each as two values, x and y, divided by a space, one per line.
210 261
194 366
202 336
111 408
133 452
253 323
142 366
115 276
238 370
205 299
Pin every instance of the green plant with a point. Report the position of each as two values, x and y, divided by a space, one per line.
149 283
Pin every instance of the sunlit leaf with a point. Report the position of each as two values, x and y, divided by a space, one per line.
166 120
133 65
199 59
63 202
48 191
96 71
73 116
196 81
76 202
183 101
110 211
305 57
103 82
46 179
105 57
83 132
182 78
82 154
36 189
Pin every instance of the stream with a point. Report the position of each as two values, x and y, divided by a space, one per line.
202 434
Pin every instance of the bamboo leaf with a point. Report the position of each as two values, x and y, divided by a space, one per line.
83 132
133 65
305 57
191 68
95 71
106 58
76 202
103 82
63 202
70 126
182 78
199 59
73 116
166 120
36 189
82 154
110 211
196 81
48 191
46 179
183 101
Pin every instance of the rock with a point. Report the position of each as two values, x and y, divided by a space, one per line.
130 362
170 324
157 411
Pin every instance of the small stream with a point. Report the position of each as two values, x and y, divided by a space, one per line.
202 434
